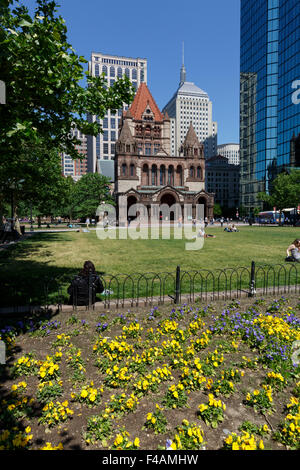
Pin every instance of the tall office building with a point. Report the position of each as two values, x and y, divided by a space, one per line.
269 94
191 105
76 168
102 147
231 152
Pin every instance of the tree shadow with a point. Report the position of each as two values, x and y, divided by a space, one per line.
24 281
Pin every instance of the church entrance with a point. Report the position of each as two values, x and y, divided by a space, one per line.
168 208
201 208
131 201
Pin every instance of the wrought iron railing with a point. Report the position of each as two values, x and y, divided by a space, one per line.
155 288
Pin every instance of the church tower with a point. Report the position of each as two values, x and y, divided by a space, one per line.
145 171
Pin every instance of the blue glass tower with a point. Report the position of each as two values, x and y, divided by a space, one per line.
269 103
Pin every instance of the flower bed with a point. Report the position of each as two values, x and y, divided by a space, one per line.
218 377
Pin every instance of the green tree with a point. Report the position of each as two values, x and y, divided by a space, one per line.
285 191
89 192
44 96
67 202
42 73
217 210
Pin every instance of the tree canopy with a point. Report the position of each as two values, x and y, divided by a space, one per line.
42 73
89 192
44 97
285 191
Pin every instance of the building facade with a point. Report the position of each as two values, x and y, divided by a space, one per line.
269 104
222 179
145 171
102 147
191 105
76 168
231 152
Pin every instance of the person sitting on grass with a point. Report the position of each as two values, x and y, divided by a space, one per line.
85 285
293 251
231 228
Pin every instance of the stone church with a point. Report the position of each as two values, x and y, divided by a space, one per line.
146 173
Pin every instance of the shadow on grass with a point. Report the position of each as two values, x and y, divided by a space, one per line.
26 281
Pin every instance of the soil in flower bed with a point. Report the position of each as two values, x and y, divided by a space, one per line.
94 376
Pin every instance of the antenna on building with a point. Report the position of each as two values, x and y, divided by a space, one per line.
182 70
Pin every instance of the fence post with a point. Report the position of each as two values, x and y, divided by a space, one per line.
177 286
252 280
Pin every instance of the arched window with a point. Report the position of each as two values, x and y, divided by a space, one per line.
112 71
192 172
127 73
132 172
134 74
199 172
162 177
179 175
124 169
104 70
171 175
145 175
119 72
154 175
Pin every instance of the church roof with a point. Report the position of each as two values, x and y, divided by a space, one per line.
125 134
191 137
142 99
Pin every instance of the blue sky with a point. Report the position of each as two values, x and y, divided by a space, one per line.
155 30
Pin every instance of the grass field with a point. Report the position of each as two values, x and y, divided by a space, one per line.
61 255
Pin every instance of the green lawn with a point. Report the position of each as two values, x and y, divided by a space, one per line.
61 255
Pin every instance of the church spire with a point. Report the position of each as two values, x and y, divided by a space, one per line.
182 70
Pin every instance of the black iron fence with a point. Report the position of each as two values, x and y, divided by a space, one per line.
153 288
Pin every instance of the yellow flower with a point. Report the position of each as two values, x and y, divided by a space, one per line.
202 407
261 445
118 440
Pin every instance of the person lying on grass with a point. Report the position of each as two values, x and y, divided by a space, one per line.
202 233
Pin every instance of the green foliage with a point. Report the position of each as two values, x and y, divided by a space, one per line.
44 102
42 73
89 192
285 191
217 210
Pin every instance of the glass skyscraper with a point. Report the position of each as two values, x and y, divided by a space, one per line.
269 103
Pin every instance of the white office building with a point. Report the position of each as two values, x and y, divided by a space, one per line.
102 147
231 152
191 105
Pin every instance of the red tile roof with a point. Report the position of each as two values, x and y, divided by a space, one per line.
143 98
